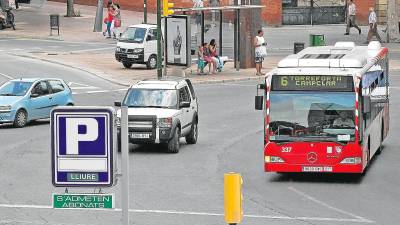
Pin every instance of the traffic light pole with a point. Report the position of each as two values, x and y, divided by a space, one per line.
159 54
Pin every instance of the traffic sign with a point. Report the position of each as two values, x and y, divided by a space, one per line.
83 201
82 146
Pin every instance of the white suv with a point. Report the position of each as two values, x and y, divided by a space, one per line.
161 111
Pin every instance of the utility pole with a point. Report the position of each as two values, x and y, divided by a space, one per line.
392 29
98 22
159 35
145 11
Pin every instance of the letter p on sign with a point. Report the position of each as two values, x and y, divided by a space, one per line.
79 130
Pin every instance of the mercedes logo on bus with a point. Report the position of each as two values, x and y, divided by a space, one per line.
312 157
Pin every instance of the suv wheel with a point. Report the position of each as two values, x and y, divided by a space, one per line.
152 62
21 118
127 65
173 144
191 138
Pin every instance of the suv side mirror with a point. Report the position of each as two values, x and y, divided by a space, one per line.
149 37
259 102
34 95
184 105
117 104
366 104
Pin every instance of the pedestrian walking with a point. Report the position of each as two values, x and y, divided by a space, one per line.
373 26
108 21
260 51
117 20
351 18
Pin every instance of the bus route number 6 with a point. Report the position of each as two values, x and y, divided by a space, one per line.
284 81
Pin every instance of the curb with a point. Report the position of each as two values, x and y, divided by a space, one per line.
97 73
92 72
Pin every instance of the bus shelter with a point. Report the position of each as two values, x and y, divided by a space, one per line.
246 22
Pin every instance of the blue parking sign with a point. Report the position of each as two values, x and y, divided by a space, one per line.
82 146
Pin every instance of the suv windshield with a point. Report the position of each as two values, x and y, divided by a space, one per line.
312 116
133 34
151 98
15 88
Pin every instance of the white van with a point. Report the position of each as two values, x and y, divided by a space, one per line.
138 45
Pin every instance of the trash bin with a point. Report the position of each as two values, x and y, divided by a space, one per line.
54 23
317 40
298 46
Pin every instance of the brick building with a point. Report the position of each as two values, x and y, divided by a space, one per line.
272 14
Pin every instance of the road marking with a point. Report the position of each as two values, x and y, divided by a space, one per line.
6 76
99 91
79 86
327 205
173 212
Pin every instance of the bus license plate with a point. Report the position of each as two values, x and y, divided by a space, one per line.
316 169
140 135
132 56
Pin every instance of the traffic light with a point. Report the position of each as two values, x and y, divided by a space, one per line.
233 198
166 8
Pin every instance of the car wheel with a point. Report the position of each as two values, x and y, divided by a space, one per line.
127 65
173 144
152 62
191 138
21 118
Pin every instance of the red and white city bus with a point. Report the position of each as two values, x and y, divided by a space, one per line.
326 109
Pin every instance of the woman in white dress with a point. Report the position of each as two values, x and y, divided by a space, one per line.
260 51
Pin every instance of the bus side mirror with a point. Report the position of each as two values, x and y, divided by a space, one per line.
366 104
261 86
259 102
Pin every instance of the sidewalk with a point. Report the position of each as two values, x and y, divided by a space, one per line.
34 23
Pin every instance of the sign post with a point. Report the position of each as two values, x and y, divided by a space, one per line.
82 146
125 165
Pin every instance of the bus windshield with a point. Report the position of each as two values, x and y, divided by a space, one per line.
312 116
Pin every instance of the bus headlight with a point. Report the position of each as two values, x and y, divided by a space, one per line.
273 159
351 160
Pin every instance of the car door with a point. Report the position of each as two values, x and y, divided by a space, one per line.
194 103
58 93
184 96
40 101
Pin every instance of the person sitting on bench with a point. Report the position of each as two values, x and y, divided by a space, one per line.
209 59
213 50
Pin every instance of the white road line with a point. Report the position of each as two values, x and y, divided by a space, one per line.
326 205
6 76
173 212
100 91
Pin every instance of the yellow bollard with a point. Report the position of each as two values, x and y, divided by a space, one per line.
233 198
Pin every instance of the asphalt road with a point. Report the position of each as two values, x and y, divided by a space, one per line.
187 188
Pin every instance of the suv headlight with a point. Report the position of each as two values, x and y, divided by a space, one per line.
165 122
118 49
5 108
138 50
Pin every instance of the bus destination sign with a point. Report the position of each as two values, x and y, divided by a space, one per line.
312 83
